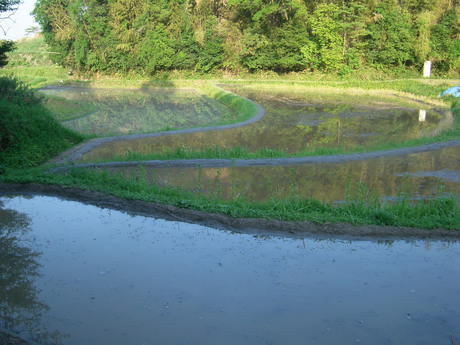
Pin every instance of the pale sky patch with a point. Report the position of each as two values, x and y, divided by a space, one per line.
21 20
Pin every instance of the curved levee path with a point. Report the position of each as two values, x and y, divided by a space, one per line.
78 151
68 158
218 163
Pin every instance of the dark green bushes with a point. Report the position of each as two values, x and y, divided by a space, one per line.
28 134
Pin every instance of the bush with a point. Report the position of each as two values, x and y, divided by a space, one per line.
16 91
29 135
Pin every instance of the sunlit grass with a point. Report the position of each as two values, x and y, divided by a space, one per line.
442 212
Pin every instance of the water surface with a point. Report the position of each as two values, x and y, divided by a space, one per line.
304 121
76 274
119 112
419 175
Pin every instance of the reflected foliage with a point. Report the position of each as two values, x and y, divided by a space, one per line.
20 309
118 112
296 123
348 181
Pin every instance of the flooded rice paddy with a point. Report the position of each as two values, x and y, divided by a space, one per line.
419 175
304 121
105 112
74 274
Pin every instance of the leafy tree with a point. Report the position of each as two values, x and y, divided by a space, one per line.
446 41
326 28
212 50
5 47
279 35
391 36
9 5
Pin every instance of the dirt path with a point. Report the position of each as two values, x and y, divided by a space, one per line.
219 163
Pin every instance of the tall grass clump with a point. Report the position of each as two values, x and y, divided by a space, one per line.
239 105
29 135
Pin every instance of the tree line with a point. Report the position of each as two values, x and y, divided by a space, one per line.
148 36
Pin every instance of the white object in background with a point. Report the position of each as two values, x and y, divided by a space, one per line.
422 115
427 69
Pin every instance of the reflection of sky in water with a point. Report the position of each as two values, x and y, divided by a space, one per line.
112 278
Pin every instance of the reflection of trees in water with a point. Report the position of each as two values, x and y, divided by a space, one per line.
123 112
353 180
20 309
302 124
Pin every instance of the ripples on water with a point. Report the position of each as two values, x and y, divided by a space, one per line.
96 276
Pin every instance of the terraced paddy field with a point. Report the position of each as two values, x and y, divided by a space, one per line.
296 124
326 216
105 112
299 122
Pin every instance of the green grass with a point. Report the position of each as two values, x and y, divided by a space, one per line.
359 210
64 109
242 108
30 52
419 87
29 135
37 77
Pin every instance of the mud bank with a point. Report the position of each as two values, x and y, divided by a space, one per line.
240 225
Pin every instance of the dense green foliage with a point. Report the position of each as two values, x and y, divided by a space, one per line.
5 47
250 35
28 134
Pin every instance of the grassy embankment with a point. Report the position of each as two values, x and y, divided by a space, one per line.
29 136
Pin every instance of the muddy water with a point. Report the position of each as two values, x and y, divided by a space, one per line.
76 274
118 111
423 174
296 122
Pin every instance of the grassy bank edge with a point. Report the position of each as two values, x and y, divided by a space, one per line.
361 207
